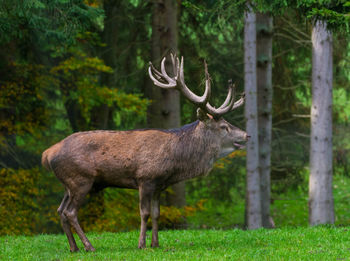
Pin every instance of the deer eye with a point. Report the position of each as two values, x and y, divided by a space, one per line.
224 127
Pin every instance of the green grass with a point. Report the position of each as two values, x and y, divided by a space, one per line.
317 243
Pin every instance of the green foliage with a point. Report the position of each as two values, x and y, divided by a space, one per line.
45 22
21 99
290 208
23 109
289 204
19 212
217 214
211 31
121 213
27 202
79 81
341 199
226 179
91 212
336 13
29 30
222 193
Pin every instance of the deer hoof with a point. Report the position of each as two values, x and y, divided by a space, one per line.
155 245
74 250
142 245
90 249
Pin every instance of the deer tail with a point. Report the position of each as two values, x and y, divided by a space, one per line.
45 161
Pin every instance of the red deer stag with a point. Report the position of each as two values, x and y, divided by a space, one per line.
149 160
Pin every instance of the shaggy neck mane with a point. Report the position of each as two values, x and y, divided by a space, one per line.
195 150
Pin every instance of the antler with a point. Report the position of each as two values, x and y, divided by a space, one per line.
178 82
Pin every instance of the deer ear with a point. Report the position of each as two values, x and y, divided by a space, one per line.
202 115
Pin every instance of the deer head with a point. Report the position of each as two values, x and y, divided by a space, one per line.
229 136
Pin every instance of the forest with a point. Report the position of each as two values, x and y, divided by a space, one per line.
68 66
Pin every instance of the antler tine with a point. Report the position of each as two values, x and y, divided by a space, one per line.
207 79
198 100
158 83
207 82
164 73
231 93
175 62
217 113
156 72
171 83
238 103
228 105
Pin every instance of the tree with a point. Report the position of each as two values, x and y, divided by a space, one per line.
108 52
321 209
253 202
30 34
164 111
264 90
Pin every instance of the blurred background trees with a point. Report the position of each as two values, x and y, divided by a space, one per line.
78 65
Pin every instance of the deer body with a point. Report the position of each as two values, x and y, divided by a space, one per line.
149 160
127 158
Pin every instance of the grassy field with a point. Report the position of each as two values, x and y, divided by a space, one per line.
318 243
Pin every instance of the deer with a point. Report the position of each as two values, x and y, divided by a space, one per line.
148 160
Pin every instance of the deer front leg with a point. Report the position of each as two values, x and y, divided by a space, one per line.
145 194
155 217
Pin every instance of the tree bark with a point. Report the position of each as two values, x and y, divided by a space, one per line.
321 208
164 111
253 202
264 86
102 115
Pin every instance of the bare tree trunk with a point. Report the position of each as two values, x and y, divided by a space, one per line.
321 208
164 112
253 202
264 85
101 116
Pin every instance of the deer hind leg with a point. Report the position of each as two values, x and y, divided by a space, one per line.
145 194
76 199
65 224
155 216
63 202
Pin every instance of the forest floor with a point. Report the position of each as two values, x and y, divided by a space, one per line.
302 243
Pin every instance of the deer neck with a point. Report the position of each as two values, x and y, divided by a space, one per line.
196 151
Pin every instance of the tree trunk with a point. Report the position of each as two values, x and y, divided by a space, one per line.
102 115
321 208
264 29
164 111
253 202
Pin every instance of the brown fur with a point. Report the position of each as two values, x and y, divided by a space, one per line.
147 160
